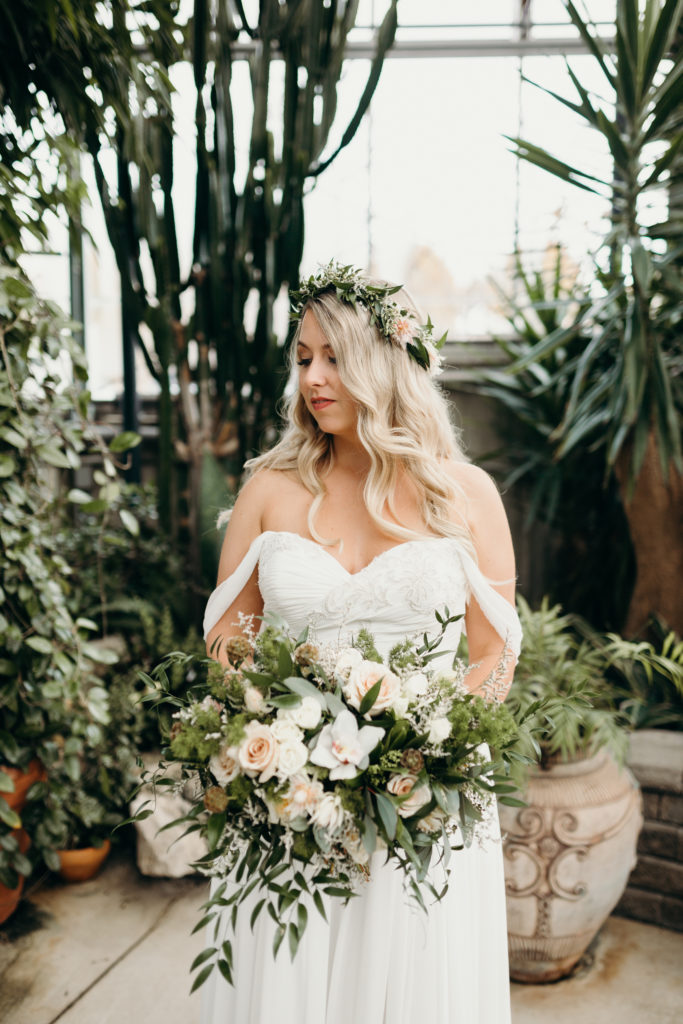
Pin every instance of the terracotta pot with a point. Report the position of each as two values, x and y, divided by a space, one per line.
23 780
568 856
9 898
80 865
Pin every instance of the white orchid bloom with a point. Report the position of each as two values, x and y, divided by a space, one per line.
344 748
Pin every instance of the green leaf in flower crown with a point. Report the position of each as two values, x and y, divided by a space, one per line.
387 814
370 697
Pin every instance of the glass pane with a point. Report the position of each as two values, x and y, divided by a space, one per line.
427 195
550 207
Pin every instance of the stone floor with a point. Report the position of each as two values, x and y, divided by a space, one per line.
116 950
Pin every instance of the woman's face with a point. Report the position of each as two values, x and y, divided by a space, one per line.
325 396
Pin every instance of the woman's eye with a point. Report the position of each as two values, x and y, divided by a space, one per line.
333 360
303 362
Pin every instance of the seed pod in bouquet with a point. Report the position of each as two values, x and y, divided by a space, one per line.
215 800
237 649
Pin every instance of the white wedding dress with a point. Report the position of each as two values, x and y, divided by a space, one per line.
379 960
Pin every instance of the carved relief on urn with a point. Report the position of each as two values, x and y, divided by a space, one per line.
568 855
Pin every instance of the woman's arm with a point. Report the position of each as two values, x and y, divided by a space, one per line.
493 544
244 527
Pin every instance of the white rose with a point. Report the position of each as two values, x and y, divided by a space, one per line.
363 678
415 685
285 730
253 699
329 814
439 730
291 758
347 659
224 766
307 714
258 751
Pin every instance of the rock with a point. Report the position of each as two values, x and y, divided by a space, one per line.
165 854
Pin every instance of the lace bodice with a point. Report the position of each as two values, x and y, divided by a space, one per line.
394 596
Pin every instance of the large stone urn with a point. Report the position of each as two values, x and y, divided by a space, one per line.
568 855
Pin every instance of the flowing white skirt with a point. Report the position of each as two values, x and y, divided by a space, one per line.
380 960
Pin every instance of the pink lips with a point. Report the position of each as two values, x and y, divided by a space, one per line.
321 403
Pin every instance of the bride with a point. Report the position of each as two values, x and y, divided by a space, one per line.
366 513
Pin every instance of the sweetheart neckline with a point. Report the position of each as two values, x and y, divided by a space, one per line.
363 569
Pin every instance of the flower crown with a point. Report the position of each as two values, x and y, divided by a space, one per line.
396 324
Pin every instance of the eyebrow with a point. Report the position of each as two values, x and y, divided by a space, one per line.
302 344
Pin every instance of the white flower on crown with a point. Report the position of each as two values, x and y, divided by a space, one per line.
435 358
404 331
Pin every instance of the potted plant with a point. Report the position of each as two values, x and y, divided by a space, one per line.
569 852
45 657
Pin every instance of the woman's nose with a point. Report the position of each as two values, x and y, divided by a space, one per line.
316 372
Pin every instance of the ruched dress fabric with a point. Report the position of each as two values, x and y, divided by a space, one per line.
378 959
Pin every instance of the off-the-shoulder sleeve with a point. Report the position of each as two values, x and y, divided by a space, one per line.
495 607
227 591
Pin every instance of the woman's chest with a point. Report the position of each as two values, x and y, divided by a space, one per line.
401 587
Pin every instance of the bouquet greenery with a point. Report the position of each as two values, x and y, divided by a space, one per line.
308 758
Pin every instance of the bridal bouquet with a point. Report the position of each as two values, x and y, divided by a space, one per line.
307 758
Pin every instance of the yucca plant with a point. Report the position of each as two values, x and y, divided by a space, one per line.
623 395
568 494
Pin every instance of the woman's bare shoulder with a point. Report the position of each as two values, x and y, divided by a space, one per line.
474 483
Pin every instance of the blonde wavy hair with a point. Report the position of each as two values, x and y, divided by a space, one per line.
403 423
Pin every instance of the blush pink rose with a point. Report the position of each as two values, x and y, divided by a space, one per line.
363 677
258 752
404 785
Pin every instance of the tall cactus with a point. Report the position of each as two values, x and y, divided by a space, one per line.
246 239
